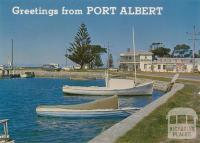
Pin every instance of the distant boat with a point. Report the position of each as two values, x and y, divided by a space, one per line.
106 107
113 86
27 75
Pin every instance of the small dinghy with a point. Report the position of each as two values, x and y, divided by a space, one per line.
106 107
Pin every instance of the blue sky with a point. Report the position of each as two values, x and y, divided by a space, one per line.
44 39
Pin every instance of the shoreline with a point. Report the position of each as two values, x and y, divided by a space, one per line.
43 73
91 75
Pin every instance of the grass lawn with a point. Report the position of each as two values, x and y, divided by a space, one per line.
153 128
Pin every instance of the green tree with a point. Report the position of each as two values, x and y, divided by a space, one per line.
98 61
81 51
181 46
110 61
181 50
161 52
158 50
96 52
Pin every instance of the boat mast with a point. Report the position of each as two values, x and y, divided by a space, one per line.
12 60
134 56
108 65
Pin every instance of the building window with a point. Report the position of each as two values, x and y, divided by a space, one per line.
164 67
145 66
159 67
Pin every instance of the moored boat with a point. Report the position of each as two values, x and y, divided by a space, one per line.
27 75
106 107
116 87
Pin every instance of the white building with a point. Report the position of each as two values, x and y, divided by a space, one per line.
145 62
173 65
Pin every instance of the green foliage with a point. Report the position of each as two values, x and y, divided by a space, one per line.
181 46
81 51
182 51
161 52
98 61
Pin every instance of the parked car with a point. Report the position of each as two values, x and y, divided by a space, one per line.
2 67
51 67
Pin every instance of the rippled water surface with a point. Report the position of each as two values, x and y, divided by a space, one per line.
20 97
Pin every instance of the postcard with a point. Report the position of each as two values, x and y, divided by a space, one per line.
99 71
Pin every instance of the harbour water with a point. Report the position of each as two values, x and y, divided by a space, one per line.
20 97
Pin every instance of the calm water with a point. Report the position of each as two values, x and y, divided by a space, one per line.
20 97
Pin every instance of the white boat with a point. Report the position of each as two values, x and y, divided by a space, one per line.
113 86
116 87
106 107
27 75
124 112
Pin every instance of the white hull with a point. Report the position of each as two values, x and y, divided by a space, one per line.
106 107
29 75
70 113
142 89
24 76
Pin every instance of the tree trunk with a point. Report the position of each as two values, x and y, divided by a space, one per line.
82 66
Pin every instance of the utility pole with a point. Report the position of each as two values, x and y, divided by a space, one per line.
194 35
108 52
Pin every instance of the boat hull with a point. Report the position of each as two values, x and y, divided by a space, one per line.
28 75
143 89
56 112
106 107
84 115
